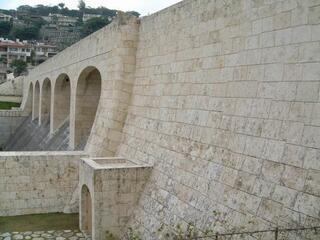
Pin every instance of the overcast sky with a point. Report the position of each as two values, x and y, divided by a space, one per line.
143 6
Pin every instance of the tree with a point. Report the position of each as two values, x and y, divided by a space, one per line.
3 60
82 5
19 66
25 33
5 28
134 13
61 5
93 25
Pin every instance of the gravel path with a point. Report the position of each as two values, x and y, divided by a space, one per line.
42 235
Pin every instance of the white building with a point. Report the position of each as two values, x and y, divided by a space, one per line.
87 17
5 17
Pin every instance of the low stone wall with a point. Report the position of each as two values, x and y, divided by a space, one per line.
38 182
16 99
110 190
10 120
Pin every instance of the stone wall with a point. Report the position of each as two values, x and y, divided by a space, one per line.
226 106
12 87
38 182
10 120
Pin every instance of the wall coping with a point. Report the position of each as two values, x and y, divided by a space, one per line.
42 153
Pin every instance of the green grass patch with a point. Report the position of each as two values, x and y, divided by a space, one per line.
8 105
39 222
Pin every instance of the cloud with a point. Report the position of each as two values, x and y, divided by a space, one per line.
142 6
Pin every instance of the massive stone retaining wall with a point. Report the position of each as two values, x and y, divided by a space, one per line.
224 103
226 106
39 182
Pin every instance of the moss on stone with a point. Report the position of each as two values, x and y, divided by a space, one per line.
39 222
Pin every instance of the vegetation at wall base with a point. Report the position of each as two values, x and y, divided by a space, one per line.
19 66
8 105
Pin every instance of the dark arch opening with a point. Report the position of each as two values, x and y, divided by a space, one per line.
87 100
28 104
61 111
36 101
86 210
46 101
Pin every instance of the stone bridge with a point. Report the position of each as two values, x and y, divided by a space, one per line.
90 85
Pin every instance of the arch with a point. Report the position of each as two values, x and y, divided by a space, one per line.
61 102
36 100
88 93
86 210
45 100
28 104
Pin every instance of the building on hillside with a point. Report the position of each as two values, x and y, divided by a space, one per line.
62 20
88 16
43 52
13 50
5 17
61 30
60 36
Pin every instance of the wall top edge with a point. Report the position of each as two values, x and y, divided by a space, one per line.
43 153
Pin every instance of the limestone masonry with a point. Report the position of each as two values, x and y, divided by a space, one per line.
218 98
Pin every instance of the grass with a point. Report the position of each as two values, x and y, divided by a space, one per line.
39 222
8 105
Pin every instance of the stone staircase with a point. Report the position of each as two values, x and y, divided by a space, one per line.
31 137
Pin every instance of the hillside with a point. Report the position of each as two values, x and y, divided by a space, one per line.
44 23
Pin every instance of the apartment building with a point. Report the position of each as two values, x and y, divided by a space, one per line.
12 50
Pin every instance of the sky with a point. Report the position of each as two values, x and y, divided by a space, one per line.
144 7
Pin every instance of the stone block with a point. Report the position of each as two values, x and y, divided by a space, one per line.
293 155
272 171
314 15
273 72
312 159
273 150
308 91
312 184
311 71
311 137
252 165
307 204
285 196
270 210
301 34
294 177
245 181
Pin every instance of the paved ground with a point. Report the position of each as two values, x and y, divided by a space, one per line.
42 235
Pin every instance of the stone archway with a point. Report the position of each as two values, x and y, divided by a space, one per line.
61 106
45 100
86 210
87 100
36 100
